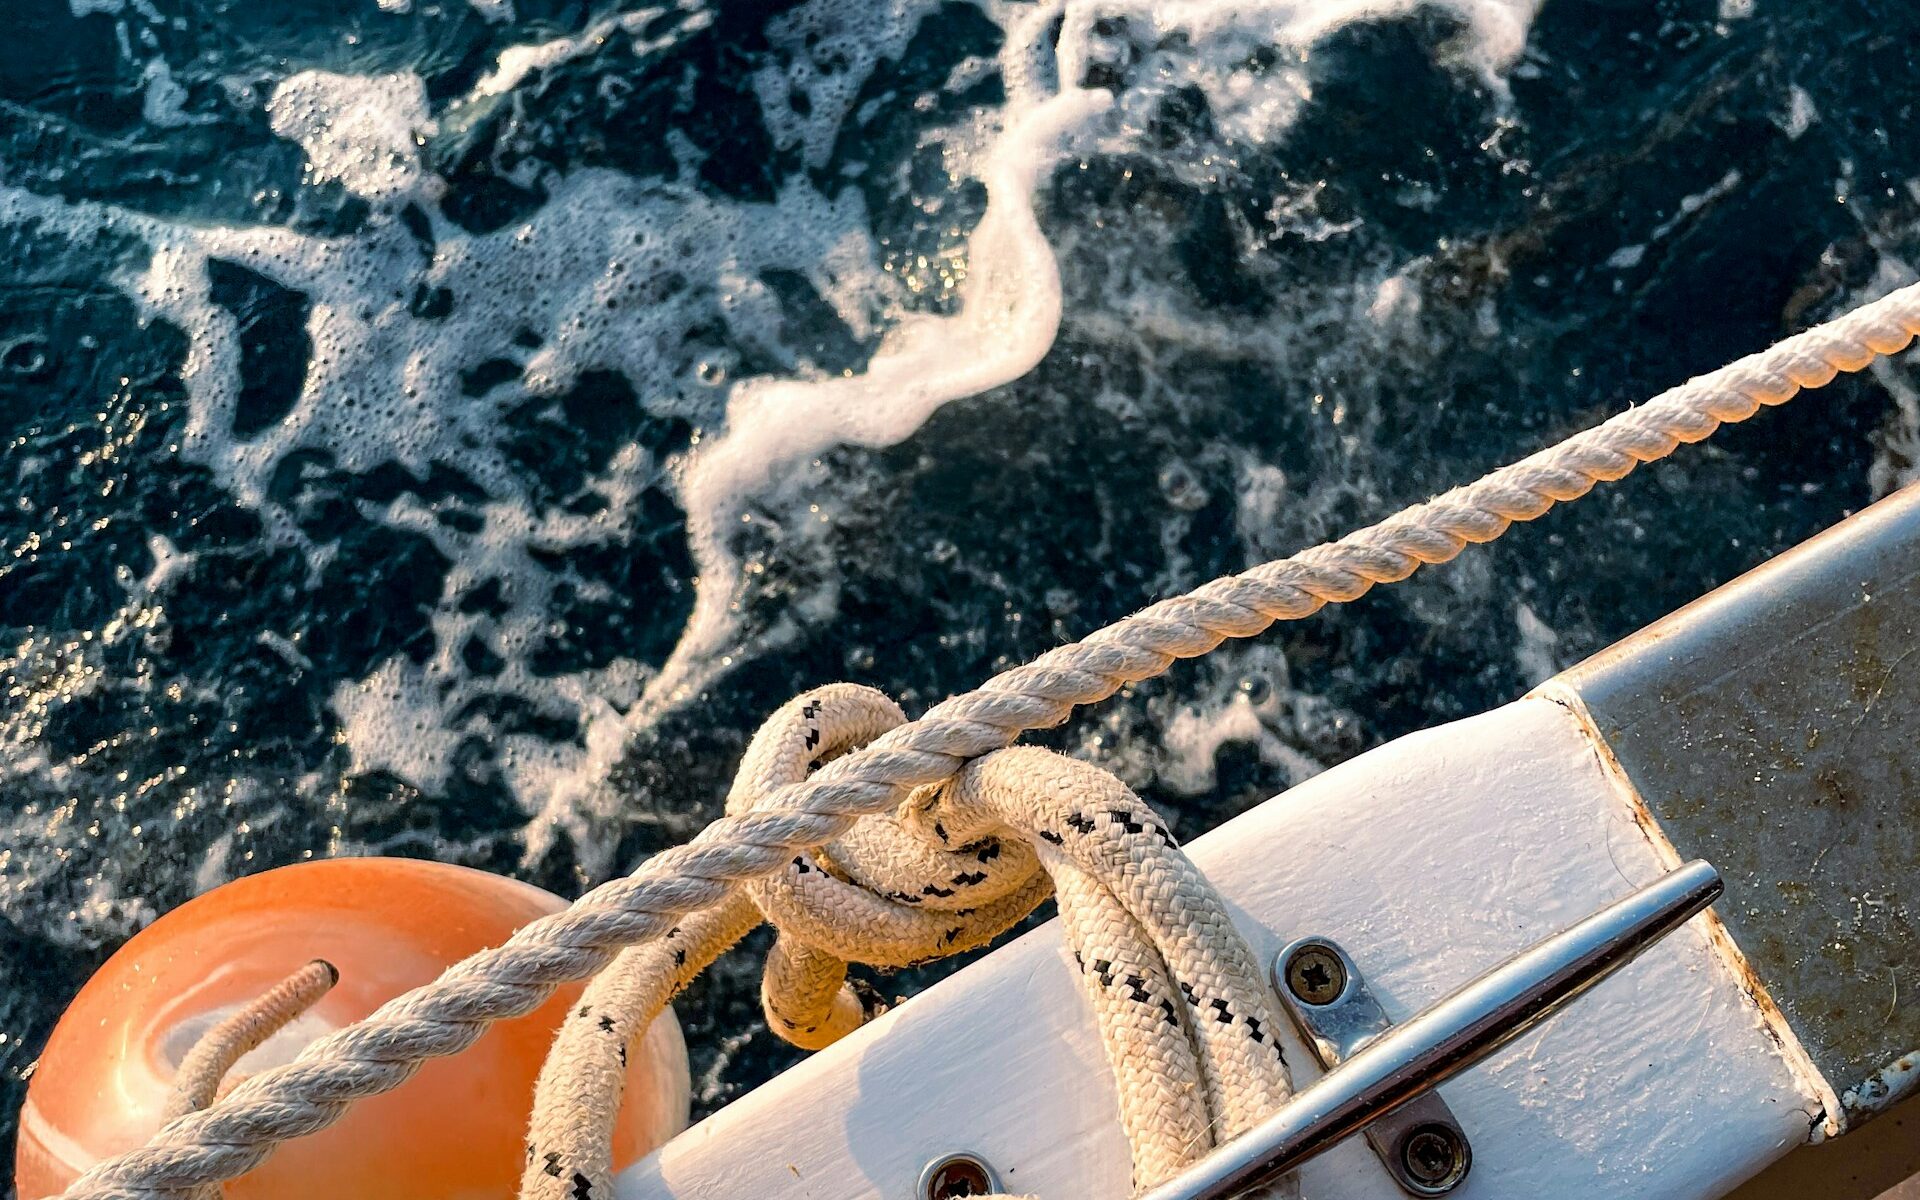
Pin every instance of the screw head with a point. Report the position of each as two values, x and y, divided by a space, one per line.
1435 1157
955 1175
1315 975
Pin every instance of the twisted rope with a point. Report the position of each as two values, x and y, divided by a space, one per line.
446 1016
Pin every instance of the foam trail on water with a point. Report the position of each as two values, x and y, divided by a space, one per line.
1010 304
617 274
1009 313
611 273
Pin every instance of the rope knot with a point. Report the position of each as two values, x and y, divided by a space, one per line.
898 889
1179 1000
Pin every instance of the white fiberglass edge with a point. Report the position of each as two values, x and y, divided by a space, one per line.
1429 859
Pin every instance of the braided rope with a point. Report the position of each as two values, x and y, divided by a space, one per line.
1183 1012
197 1080
448 1015
577 1098
1172 981
881 894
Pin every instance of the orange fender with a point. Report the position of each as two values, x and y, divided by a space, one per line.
455 1131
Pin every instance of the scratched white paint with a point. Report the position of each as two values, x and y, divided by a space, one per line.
1429 859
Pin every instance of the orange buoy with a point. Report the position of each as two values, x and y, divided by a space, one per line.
456 1130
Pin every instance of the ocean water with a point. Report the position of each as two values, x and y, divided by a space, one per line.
444 429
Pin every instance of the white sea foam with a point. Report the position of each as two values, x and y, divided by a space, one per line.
1801 112
365 131
1535 646
614 273
831 47
517 62
163 103
1238 707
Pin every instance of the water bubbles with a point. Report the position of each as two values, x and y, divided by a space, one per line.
1181 487
1328 731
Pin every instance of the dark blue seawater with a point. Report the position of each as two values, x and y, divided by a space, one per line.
351 382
